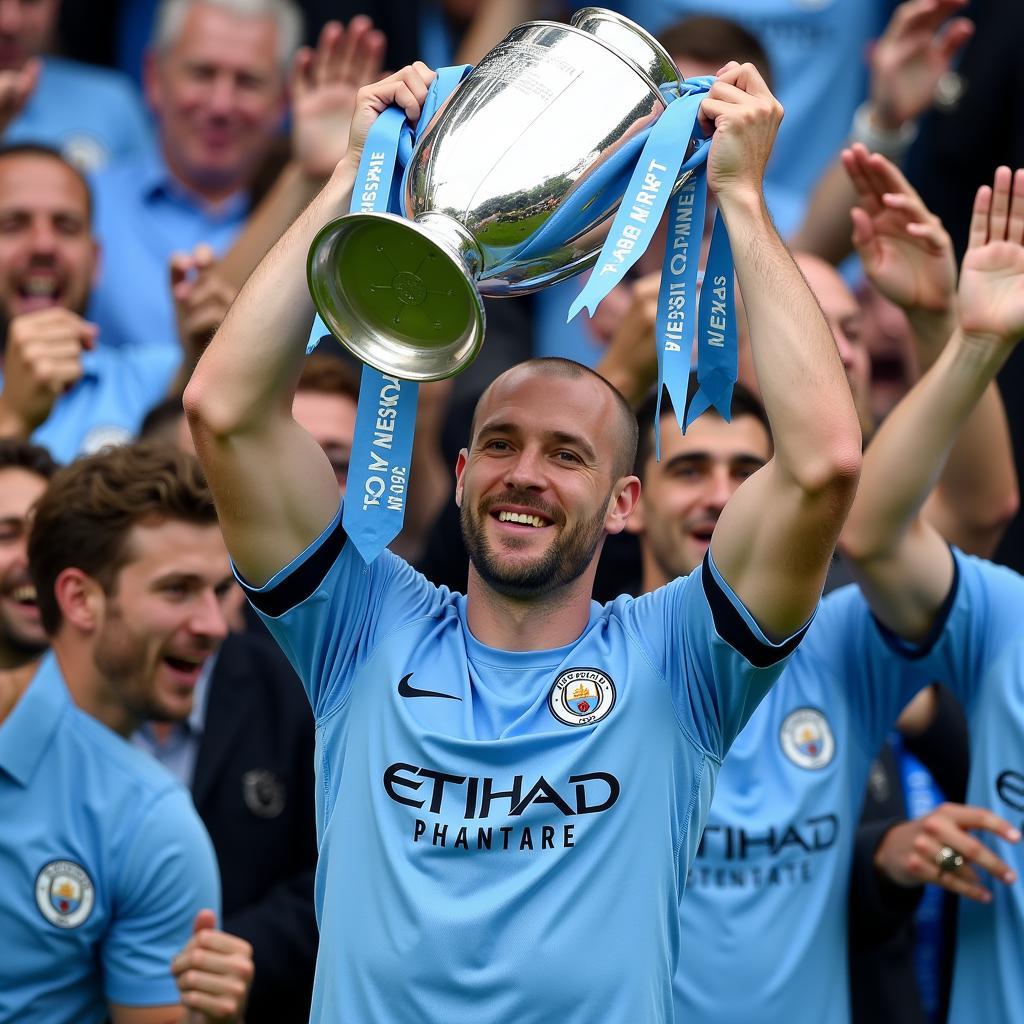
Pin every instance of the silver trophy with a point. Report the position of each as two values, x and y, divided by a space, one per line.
512 187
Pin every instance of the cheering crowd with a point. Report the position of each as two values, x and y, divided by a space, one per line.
587 743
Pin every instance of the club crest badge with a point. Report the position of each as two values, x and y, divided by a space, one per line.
807 739
64 893
582 696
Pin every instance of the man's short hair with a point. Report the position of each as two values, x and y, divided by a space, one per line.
744 403
556 366
328 375
18 454
170 16
84 517
713 40
38 149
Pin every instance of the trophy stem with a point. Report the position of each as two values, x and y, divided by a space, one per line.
400 294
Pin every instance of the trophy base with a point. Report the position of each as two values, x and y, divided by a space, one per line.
395 297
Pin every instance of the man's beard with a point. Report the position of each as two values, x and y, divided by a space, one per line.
19 640
21 644
565 560
121 660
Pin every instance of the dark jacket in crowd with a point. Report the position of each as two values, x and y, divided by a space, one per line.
253 787
883 985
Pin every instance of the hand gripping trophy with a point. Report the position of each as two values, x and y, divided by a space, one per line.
559 152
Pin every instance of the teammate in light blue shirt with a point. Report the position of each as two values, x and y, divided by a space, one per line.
511 785
104 864
769 885
107 870
905 569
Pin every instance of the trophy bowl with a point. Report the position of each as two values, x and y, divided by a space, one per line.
511 187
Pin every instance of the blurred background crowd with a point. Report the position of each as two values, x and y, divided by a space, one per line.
154 150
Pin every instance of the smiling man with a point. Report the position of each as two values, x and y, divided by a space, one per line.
24 472
215 79
105 862
511 784
57 385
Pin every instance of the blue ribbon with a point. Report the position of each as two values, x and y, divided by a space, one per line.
678 317
717 348
378 476
646 196
677 297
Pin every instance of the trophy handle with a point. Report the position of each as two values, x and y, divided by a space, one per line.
399 294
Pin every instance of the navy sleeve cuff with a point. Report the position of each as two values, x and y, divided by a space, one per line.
295 584
734 629
938 627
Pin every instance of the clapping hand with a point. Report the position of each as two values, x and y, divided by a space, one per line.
201 298
324 84
991 295
906 252
915 51
213 973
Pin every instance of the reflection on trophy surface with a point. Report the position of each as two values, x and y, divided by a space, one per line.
511 187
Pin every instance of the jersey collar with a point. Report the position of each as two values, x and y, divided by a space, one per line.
25 735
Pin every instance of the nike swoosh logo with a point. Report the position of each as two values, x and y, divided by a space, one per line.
405 690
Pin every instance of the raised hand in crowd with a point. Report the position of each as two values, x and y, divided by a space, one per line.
915 852
16 87
202 296
907 64
324 84
892 549
213 973
908 61
42 360
907 255
906 252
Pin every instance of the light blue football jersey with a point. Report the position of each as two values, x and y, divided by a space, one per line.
985 669
505 835
103 865
764 915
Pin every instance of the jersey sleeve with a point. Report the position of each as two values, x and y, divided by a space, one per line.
328 611
716 659
876 673
168 876
983 615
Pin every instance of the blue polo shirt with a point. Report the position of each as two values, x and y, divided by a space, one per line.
93 115
103 865
107 405
143 216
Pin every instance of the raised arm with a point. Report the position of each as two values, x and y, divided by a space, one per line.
776 535
908 256
274 487
900 560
